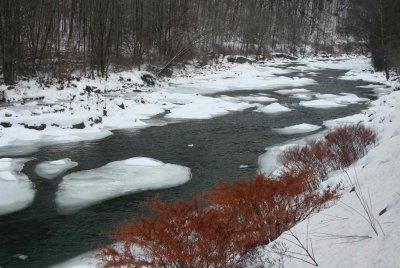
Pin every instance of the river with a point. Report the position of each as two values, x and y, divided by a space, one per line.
220 146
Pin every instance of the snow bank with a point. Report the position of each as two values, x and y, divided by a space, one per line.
297 129
85 188
340 235
16 190
237 77
51 169
339 63
273 108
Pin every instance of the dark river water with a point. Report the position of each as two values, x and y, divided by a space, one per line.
221 145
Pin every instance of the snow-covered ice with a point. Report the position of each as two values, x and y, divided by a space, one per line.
297 129
250 98
16 190
302 96
202 107
343 98
292 91
268 161
321 104
273 108
84 188
51 169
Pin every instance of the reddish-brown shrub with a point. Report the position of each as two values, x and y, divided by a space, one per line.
221 230
269 205
314 156
339 149
349 143
180 234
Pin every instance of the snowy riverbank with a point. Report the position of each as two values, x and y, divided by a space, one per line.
42 112
340 236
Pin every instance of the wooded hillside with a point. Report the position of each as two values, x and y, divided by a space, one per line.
62 36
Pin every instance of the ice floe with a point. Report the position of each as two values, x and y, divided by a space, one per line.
85 188
273 108
292 91
302 96
321 104
250 98
297 129
344 98
202 107
16 190
51 169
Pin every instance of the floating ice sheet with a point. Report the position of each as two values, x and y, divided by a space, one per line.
200 107
16 190
321 104
297 129
273 108
51 169
85 188
292 91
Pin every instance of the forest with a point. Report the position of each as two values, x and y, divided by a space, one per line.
94 37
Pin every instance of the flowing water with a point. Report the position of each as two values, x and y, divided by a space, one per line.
220 146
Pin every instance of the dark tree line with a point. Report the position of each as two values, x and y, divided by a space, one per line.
376 25
57 37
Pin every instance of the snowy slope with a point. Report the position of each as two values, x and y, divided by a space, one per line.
340 236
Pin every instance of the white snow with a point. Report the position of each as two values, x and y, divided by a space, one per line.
273 108
250 98
51 169
296 129
268 161
16 190
292 91
302 96
202 107
84 188
343 98
321 104
143 161
86 260
237 77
